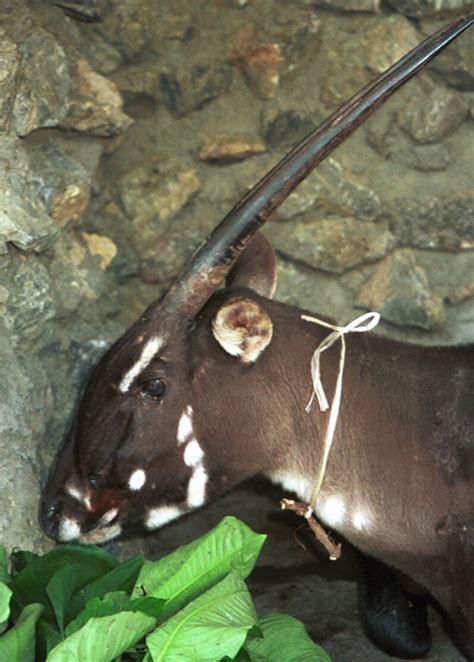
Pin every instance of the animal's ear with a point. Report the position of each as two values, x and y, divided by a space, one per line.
242 328
256 268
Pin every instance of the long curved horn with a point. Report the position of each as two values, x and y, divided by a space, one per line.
212 261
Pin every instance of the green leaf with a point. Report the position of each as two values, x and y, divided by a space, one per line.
20 559
30 585
151 606
5 595
62 585
284 638
47 637
4 574
121 578
210 627
18 643
103 639
185 574
110 604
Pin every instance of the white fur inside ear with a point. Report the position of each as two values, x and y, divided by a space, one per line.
242 328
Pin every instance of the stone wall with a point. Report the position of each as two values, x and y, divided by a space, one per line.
129 128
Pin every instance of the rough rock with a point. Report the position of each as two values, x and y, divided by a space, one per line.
388 139
138 79
31 301
387 41
284 126
331 189
261 63
418 8
434 223
96 106
101 247
42 95
456 63
432 116
229 148
9 61
62 183
332 244
349 5
188 87
129 26
23 218
351 59
157 191
399 290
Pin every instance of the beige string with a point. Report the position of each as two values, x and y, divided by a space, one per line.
365 322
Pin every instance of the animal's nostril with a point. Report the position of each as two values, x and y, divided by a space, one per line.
49 519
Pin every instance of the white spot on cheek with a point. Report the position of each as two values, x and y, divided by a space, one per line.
160 516
137 480
361 521
332 511
148 352
185 425
193 453
69 529
99 536
197 487
107 517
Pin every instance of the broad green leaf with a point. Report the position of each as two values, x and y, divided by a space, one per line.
103 639
110 604
18 643
20 559
231 545
5 595
64 583
284 638
213 625
151 606
30 585
4 574
47 637
121 578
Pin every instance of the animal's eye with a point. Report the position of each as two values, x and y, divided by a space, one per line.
154 388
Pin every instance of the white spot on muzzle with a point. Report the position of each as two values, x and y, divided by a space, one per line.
332 511
160 516
148 353
69 530
77 494
185 425
193 453
137 480
197 487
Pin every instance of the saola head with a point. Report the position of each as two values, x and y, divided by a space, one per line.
146 444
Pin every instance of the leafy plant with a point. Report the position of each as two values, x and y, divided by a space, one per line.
79 604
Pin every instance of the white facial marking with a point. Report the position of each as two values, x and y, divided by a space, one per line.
185 425
332 510
107 517
197 487
99 536
160 516
361 520
193 453
75 493
148 352
292 482
137 480
69 529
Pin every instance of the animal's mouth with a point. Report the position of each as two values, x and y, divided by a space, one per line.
106 528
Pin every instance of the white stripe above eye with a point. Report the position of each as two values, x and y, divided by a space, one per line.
148 352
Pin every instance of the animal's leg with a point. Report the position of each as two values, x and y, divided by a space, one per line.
395 618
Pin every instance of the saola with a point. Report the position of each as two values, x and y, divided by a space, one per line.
209 387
